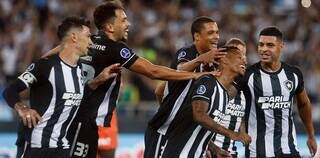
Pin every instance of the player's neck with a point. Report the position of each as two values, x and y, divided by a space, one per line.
226 78
200 50
271 67
110 36
69 55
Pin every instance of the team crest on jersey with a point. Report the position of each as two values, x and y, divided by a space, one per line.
30 67
125 53
289 85
201 90
182 54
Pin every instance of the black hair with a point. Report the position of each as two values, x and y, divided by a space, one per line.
197 24
105 13
272 31
71 22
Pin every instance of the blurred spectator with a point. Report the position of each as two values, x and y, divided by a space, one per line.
159 27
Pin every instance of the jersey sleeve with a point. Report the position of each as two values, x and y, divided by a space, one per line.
300 86
24 81
202 89
32 74
124 55
184 56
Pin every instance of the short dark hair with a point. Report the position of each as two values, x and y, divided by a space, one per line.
197 24
271 31
118 2
235 42
231 49
71 22
105 13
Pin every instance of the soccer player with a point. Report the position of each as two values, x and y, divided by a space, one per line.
224 146
270 87
108 48
56 90
197 121
196 57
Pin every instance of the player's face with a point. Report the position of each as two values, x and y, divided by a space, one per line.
84 40
269 49
238 62
121 25
209 36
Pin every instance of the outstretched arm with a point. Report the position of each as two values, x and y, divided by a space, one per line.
211 56
146 68
52 51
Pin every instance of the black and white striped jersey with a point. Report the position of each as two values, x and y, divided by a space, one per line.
175 93
104 52
187 138
56 90
234 114
269 100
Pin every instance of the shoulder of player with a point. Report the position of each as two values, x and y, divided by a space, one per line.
252 69
292 68
187 49
206 78
47 61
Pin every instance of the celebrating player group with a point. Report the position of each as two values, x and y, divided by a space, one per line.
210 97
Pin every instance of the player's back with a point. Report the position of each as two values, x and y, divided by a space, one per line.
269 110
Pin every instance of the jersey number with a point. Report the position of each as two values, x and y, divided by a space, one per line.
81 150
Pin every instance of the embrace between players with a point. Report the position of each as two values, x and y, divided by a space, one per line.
202 112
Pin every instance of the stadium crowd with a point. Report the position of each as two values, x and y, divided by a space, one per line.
159 28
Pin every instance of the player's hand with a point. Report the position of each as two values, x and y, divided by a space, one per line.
223 154
243 137
28 116
215 73
107 73
212 56
111 71
208 154
312 145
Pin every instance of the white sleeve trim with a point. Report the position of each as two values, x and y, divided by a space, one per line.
128 59
200 97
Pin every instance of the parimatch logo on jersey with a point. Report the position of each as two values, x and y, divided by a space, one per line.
218 116
273 102
235 110
72 99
